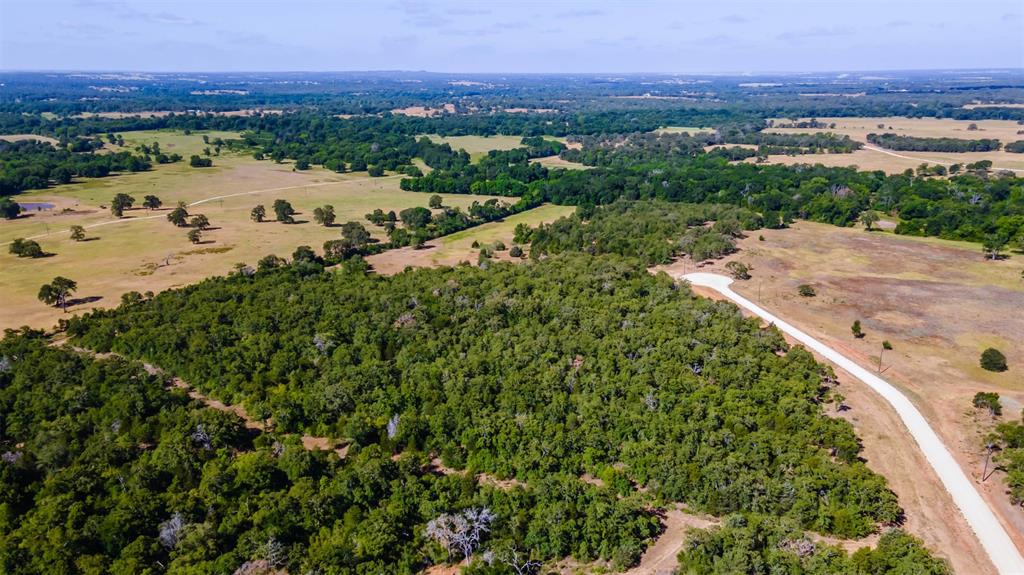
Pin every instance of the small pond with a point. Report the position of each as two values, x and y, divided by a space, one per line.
35 206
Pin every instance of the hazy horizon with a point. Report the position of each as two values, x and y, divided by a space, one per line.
652 37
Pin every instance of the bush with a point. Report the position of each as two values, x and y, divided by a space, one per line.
989 401
993 360
516 252
806 290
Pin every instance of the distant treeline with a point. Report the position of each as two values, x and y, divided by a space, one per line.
914 144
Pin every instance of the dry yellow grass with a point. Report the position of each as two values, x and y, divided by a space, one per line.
144 252
20 137
897 161
458 247
939 302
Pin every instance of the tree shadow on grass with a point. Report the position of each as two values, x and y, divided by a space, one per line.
84 300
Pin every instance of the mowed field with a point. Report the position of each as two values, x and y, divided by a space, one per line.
939 303
478 146
869 159
144 252
458 247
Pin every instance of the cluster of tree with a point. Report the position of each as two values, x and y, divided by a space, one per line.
501 172
1009 439
763 544
26 248
552 369
420 224
103 469
970 206
915 144
31 164
1015 147
653 231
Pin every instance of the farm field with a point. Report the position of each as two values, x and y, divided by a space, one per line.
938 302
458 247
869 159
144 252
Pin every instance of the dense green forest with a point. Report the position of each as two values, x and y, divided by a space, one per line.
653 231
104 470
569 365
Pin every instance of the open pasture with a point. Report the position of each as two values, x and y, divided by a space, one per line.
870 158
458 247
144 252
478 146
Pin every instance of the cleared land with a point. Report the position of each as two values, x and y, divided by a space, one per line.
873 159
144 252
681 129
20 137
992 534
458 247
939 303
478 146
557 162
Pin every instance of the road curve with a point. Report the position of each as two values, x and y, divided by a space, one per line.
994 538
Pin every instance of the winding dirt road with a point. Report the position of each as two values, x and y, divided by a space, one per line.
993 536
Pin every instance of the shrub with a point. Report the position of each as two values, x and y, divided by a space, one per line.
806 290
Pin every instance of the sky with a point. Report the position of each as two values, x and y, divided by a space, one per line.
498 36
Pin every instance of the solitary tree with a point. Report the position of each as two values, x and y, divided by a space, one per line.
855 328
869 218
9 209
324 215
739 270
435 201
77 233
993 360
886 346
57 291
258 213
195 235
993 245
151 202
120 203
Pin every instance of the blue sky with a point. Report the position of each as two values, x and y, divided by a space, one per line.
686 36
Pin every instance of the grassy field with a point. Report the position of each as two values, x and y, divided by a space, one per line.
478 146
858 129
144 252
939 303
557 162
458 247
681 129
